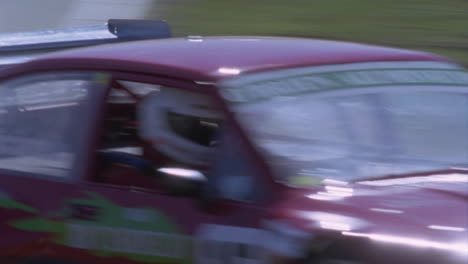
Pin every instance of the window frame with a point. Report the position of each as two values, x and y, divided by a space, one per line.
205 88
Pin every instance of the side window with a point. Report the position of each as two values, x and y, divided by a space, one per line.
150 127
120 122
181 125
121 158
44 121
429 125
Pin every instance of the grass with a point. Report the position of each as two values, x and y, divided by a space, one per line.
430 25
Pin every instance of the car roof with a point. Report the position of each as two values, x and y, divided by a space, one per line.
215 58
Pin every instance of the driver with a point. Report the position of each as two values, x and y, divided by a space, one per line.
179 126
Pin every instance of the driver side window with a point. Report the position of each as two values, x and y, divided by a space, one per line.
154 128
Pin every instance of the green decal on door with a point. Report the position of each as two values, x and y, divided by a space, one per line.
108 230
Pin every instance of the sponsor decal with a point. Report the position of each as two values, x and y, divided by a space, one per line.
125 240
106 229
7 202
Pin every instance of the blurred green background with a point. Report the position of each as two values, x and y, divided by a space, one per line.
435 26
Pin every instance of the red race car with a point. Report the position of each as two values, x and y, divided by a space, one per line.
234 150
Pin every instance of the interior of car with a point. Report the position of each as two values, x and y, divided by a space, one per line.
127 157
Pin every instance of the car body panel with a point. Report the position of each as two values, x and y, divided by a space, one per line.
83 221
126 225
187 58
416 220
418 205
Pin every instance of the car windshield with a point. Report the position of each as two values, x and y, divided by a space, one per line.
355 121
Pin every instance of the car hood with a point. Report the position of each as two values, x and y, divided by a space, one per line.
426 211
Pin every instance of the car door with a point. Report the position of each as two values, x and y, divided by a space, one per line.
121 221
46 123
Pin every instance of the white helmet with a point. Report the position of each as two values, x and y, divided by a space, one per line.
180 124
